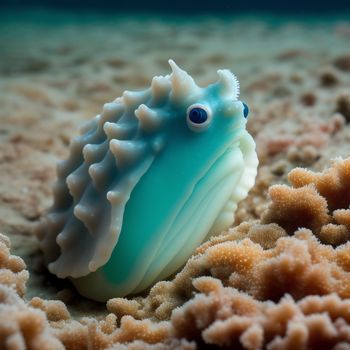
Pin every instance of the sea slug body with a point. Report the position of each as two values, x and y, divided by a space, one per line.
147 181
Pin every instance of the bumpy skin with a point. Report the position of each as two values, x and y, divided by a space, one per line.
144 186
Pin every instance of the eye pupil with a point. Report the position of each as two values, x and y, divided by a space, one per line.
245 110
198 115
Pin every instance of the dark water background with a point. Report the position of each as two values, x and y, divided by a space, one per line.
188 7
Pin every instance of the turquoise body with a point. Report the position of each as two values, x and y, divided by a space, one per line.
174 183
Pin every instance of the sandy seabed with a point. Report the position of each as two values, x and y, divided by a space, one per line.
278 279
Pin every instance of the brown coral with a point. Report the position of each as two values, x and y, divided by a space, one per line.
318 201
293 208
12 268
333 184
91 333
223 316
22 327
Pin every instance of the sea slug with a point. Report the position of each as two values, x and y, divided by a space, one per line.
150 178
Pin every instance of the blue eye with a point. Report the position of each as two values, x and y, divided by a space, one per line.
245 110
198 115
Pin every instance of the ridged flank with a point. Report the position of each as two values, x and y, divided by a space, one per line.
94 184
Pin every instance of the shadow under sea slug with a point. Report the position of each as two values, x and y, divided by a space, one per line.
146 182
